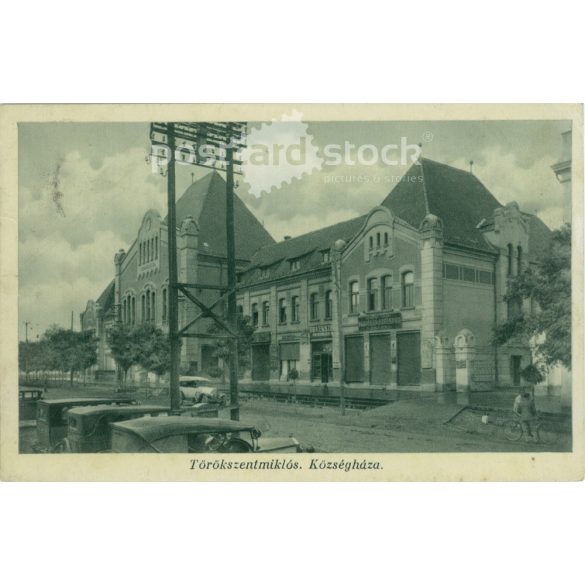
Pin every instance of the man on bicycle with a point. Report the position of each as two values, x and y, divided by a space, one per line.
525 410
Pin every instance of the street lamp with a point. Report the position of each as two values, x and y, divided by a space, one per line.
338 248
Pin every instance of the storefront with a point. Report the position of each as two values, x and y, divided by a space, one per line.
289 356
321 353
261 357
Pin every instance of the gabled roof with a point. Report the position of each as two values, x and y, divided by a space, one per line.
458 197
205 200
106 299
307 248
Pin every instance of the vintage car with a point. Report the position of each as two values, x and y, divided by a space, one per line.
52 421
27 403
177 434
201 389
89 428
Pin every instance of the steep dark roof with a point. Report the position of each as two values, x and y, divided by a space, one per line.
106 299
205 201
307 248
539 236
458 197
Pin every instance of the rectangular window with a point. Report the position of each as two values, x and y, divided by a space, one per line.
328 304
372 293
387 292
282 311
295 264
255 314
314 306
485 277
354 296
263 272
451 271
295 309
164 304
468 274
325 256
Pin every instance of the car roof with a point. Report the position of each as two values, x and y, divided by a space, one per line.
152 429
85 401
114 408
194 379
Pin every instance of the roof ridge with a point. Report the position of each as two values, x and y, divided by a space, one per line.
424 185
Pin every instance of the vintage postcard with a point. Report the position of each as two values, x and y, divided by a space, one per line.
292 292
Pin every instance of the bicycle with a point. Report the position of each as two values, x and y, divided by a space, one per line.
543 431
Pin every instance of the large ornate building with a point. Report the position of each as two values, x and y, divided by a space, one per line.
420 282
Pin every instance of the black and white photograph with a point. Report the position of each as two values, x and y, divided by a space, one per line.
295 286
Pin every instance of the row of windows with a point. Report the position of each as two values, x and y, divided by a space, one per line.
379 240
261 314
295 264
148 251
147 307
379 293
467 274
511 259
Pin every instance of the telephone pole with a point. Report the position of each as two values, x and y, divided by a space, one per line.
220 141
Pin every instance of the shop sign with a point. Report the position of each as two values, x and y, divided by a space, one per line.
321 330
261 337
380 321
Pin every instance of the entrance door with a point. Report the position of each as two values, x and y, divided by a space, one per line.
354 359
408 349
380 359
326 363
516 367
261 362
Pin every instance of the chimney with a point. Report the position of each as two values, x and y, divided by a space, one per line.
287 237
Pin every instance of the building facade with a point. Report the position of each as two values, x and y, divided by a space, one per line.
405 297
420 285
139 291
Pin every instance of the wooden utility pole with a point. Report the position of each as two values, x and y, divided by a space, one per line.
231 274
173 290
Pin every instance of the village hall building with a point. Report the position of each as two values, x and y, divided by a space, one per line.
419 281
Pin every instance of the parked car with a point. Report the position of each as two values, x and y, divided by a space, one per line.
52 418
177 434
89 428
201 389
27 403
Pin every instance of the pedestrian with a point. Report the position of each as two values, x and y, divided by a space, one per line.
525 409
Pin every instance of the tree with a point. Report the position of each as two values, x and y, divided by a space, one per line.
69 351
245 331
548 285
125 351
154 349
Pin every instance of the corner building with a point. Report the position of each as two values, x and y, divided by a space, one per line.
422 280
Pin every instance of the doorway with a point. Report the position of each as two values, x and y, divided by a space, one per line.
408 350
516 369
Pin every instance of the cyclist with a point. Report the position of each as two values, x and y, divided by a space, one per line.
525 410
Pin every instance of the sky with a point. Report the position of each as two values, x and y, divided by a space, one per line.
84 188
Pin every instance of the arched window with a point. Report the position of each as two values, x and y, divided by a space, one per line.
408 289
314 307
140 254
265 312
133 310
164 304
378 241
354 296
371 242
143 303
372 294
387 292
153 307
255 314
510 253
282 311
519 259
124 311
385 238
328 304
296 309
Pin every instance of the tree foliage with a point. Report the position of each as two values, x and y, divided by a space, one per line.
141 345
548 285
245 331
